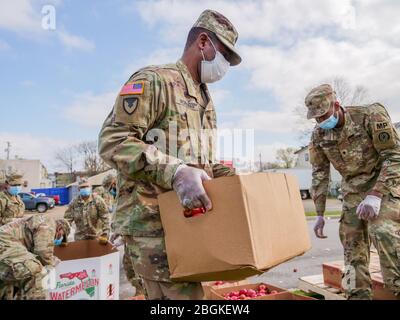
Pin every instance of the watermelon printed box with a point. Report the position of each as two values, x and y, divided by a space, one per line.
88 271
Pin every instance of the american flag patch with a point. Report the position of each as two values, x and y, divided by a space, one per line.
132 88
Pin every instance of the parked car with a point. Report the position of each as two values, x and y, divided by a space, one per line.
35 202
55 197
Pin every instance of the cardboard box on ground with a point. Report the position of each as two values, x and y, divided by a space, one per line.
257 222
333 273
282 294
88 271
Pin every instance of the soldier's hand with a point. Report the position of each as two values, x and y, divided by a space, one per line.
319 227
369 208
188 184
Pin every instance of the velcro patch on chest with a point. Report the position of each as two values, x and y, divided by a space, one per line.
132 88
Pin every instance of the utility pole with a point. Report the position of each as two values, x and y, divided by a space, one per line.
8 150
260 163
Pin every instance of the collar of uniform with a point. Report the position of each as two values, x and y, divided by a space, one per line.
349 127
83 201
190 85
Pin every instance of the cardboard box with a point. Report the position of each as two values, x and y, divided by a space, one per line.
333 274
217 293
88 271
257 222
207 286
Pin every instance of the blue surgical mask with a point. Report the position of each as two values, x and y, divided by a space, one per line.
14 190
85 192
58 242
329 123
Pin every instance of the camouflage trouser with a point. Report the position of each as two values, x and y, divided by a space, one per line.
355 235
135 281
150 263
21 280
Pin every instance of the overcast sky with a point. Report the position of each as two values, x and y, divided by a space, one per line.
57 86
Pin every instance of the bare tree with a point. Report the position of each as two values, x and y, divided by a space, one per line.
92 162
345 94
67 158
286 157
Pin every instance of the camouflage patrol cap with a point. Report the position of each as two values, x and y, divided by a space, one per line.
319 100
223 29
66 227
107 181
14 178
84 183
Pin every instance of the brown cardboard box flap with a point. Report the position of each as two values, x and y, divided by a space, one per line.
83 249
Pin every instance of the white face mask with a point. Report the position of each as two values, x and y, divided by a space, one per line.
214 70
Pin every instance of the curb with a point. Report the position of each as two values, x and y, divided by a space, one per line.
326 218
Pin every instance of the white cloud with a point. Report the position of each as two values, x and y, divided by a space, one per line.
274 122
75 42
269 19
288 72
29 146
90 110
157 57
19 16
24 17
219 96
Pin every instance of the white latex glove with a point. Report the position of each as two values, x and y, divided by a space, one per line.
369 208
188 184
319 227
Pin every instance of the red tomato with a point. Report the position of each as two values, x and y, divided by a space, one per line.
251 292
262 287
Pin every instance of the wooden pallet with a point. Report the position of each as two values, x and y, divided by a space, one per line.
315 284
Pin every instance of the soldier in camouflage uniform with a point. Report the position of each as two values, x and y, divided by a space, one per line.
90 214
26 254
3 185
11 205
160 136
362 144
108 191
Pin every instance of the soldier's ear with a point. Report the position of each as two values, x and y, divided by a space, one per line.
202 40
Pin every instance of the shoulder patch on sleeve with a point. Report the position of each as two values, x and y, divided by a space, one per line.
383 136
130 105
131 88
379 126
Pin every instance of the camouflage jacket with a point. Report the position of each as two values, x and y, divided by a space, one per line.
366 152
11 207
105 195
149 133
91 217
35 233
